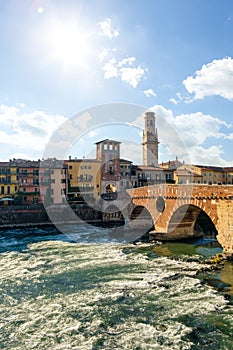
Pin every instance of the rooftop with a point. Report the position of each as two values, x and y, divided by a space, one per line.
107 141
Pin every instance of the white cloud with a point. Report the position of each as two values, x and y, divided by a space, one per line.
208 156
179 98
19 155
25 133
129 61
107 28
113 67
131 151
215 78
173 100
8 114
229 137
149 92
103 54
92 133
110 69
196 128
128 74
132 76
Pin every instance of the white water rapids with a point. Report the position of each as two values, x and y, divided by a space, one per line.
62 295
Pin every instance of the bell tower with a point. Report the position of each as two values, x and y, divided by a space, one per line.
150 141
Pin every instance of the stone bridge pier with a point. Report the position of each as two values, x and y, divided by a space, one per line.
174 210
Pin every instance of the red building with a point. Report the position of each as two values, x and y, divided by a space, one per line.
108 153
28 182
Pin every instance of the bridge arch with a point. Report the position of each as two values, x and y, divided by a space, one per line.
185 221
216 201
140 217
112 214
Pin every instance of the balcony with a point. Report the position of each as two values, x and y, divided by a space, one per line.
11 182
86 188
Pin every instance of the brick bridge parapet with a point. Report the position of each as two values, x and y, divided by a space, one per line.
175 208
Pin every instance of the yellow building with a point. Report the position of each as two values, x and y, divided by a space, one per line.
201 174
8 181
212 175
228 175
84 179
188 174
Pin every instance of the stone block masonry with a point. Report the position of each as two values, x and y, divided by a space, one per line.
183 203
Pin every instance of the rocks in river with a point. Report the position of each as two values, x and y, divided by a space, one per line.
217 259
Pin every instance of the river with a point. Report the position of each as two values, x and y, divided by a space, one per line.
88 289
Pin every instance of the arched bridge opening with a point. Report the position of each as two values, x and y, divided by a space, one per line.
190 221
112 216
205 222
141 218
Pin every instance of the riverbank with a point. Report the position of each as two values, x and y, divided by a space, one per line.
37 215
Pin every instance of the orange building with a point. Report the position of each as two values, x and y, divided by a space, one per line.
28 182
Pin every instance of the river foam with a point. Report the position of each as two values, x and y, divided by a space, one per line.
61 295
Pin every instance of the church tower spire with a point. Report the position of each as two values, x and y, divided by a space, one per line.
150 141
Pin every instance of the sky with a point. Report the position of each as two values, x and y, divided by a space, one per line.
73 72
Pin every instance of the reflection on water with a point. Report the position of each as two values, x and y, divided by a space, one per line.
226 275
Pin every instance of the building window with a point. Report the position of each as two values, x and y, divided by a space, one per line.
70 166
8 190
24 189
105 147
2 189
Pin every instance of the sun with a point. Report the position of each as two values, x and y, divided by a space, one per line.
67 43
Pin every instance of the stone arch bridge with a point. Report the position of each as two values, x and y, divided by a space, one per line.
172 210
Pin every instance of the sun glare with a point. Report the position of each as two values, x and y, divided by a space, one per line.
68 44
